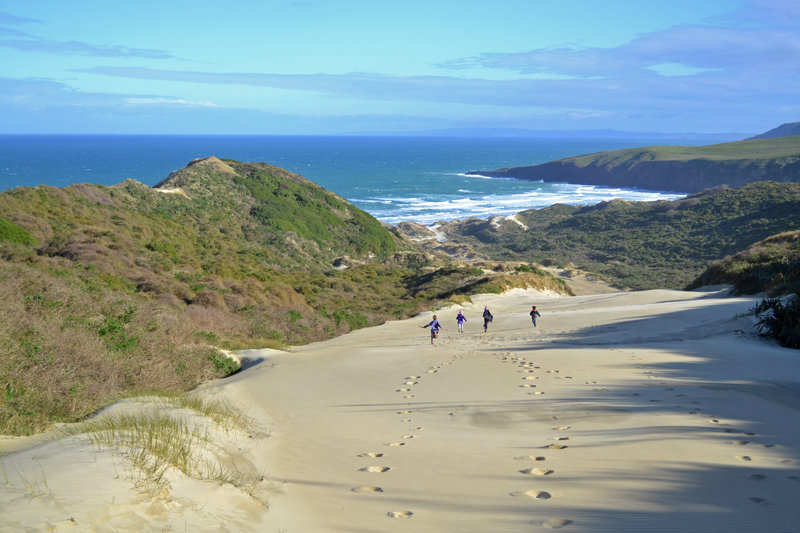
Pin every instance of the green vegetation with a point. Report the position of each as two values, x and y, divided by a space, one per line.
780 319
674 168
123 290
12 233
760 149
771 265
641 245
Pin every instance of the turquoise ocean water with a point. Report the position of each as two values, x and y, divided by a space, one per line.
393 178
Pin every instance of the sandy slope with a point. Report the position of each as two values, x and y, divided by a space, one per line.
647 411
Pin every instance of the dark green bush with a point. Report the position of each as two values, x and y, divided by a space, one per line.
779 318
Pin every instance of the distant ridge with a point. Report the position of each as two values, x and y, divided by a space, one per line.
784 130
686 169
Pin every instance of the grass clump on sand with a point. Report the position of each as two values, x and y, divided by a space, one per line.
779 318
176 434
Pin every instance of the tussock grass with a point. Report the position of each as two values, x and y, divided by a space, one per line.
183 433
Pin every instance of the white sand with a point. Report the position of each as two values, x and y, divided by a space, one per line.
646 411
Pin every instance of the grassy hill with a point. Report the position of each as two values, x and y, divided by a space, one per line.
641 245
771 266
674 168
115 291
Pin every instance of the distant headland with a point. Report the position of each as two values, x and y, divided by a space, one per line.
774 155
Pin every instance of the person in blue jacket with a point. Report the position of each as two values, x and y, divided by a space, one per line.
435 327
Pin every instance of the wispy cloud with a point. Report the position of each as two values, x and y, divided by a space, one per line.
26 42
35 44
605 92
168 101
696 47
14 20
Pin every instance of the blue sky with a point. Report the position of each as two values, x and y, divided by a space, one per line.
372 66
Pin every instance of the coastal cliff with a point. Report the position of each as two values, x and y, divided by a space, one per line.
686 169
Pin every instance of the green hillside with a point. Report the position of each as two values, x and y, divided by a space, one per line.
115 291
761 149
687 169
771 266
641 245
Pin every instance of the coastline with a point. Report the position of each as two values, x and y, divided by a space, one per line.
621 411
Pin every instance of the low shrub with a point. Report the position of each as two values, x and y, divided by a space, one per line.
779 318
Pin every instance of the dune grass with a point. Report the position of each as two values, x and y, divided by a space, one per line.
182 433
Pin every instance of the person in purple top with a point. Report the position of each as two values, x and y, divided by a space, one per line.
460 318
435 327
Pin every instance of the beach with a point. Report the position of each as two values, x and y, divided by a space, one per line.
621 411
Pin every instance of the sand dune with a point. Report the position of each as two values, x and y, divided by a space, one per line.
646 411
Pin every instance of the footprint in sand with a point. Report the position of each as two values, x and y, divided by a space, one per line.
535 494
366 489
371 454
744 457
536 471
562 438
410 396
758 500
410 383
527 386
740 442
555 523
375 469
404 412
758 477
554 447
413 377
561 428
395 444
403 390
536 393
530 378
400 514
529 458
410 436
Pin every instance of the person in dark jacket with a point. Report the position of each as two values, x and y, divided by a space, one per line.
487 317
534 314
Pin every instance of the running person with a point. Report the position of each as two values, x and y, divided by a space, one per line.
534 313
460 318
435 327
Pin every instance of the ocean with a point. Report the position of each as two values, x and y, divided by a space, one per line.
393 178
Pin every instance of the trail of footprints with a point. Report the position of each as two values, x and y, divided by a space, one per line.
529 370
406 389
538 470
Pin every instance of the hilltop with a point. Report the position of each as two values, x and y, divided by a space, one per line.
784 130
686 169
113 291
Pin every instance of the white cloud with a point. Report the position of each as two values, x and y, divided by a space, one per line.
169 101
